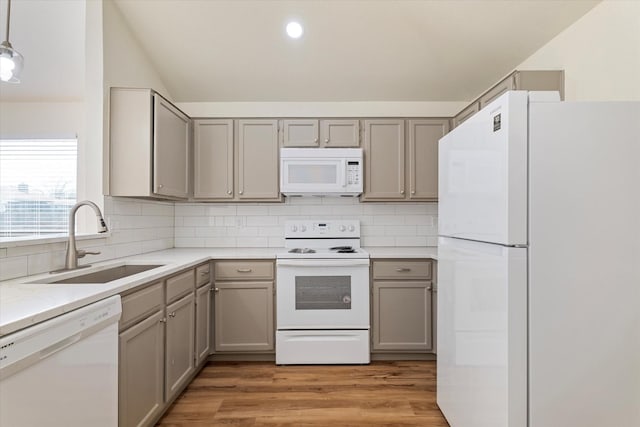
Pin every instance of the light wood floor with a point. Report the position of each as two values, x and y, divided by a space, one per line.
393 394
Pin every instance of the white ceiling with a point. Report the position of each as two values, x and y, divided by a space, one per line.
352 50
50 35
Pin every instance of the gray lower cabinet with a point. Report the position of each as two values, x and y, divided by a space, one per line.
402 306
180 347
203 323
243 306
244 316
157 343
141 376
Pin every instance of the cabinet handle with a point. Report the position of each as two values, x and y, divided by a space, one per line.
163 320
204 273
402 269
229 192
401 191
216 289
315 140
413 191
244 270
160 185
326 141
429 288
240 192
172 314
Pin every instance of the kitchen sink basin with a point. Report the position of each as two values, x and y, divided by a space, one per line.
109 274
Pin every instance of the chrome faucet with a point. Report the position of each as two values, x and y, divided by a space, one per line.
73 254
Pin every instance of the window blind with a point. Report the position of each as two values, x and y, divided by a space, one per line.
37 186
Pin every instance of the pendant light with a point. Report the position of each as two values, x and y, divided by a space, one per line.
10 59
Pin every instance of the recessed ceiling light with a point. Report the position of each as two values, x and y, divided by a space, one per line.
294 30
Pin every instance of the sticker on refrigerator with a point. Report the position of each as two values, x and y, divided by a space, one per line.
497 122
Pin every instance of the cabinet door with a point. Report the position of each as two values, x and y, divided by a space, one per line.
243 316
213 159
180 358
507 84
401 315
141 372
203 323
463 115
258 159
170 150
300 133
423 157
384 157
540 80
340 133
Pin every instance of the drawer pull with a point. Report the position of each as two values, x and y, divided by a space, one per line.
244 270
204 273
402 269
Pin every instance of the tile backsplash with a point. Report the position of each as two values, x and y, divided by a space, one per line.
139 226
135 227
262 224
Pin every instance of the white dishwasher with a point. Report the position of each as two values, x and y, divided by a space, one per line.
64 371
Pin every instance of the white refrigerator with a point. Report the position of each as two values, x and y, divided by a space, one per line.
539 265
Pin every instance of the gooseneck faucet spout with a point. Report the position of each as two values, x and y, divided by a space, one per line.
72 253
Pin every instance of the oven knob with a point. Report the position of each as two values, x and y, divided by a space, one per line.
352 228
294 228
342 228
303 228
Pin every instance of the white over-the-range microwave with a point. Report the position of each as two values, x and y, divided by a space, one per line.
335 172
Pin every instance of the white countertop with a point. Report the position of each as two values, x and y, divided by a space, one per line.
24 303
402 252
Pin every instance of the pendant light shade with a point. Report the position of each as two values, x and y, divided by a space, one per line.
11 60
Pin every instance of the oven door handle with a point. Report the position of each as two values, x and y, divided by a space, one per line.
321 262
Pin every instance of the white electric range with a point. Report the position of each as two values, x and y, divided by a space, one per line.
322 312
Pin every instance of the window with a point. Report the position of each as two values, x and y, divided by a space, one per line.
37 186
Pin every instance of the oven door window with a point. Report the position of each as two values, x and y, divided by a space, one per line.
323 292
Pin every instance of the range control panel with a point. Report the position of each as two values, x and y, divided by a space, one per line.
341 228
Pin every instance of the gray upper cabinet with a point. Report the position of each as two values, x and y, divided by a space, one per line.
213 159
506 84
257 166
300 133
236 160
384 160
343 133
402 169
517 80
422 157
463 115
148 146
326 133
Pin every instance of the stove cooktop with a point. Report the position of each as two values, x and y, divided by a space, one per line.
322 253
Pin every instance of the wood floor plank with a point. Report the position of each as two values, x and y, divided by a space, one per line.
261 394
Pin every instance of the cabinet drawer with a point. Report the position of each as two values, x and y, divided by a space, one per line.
180 285
398 269
202 275
137 305
239 270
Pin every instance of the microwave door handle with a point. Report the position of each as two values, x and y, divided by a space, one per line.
344 173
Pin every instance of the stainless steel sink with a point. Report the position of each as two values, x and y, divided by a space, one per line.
109 274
